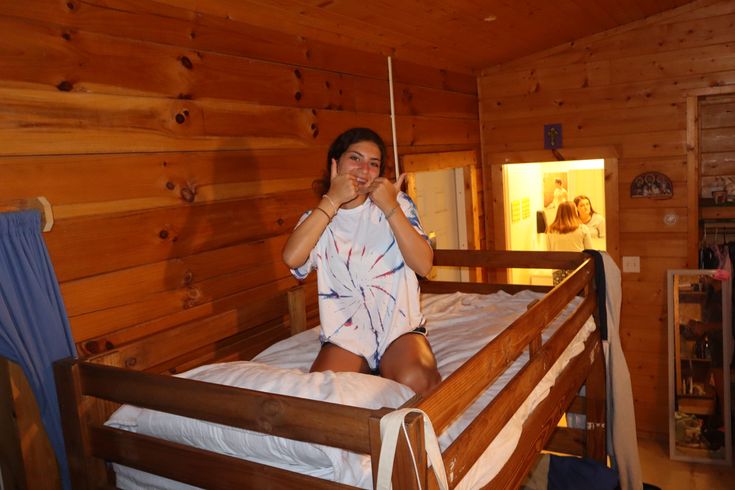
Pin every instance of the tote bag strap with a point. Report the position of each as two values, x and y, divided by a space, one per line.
390 424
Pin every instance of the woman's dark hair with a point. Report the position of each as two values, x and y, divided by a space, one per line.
344 141
579 198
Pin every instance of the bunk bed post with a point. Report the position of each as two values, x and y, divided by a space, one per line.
404 474
595 445
297 309
375 445
86 471
596 391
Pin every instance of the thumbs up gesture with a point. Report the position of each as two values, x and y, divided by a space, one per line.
384 193
342 187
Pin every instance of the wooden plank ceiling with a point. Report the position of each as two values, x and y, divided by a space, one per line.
465 35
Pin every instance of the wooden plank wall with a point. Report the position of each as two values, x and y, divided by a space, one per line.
178 150
717 145
625 88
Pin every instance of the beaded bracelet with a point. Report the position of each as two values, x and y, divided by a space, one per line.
325 213
330 202
390 213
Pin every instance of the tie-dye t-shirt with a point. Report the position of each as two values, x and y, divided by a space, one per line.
368 296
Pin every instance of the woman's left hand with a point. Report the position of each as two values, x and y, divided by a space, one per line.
383 192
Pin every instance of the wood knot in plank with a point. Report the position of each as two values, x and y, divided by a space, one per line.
71 6
130 362
182 116
92 347
65 86
193 293
297 95
188 193
163 234
188 277
186 62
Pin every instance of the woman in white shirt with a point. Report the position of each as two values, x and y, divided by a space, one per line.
567 234
366 244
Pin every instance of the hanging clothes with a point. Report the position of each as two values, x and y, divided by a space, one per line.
34 329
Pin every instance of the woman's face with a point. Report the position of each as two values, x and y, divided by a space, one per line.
584 209
361 159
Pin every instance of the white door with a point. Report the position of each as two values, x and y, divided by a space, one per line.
436 199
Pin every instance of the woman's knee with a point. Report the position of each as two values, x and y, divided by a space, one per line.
420 378
334 358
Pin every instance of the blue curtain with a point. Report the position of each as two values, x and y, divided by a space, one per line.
34 329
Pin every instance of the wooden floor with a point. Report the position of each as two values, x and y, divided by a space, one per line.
659 470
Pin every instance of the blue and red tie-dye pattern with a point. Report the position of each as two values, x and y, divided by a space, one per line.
368 296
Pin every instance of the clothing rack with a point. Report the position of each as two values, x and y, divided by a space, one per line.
726 227
39 202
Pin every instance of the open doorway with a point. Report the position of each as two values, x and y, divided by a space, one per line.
532 192
444 186
439 195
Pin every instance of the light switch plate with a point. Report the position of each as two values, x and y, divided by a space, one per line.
631 264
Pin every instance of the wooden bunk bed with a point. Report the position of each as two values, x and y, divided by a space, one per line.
91 389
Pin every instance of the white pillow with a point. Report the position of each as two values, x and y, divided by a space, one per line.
353 389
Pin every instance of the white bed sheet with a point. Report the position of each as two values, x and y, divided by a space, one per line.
459 325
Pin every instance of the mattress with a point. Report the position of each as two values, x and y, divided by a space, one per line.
458 325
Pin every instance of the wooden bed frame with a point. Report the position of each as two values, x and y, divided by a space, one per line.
89 390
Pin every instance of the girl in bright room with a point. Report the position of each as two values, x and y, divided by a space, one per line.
567 234
367 245
560 193
589 217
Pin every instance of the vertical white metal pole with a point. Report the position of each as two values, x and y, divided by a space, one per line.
393 116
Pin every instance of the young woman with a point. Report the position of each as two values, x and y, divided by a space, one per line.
589 217
567 234
366 243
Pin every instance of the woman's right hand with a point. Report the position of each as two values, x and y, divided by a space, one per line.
342 187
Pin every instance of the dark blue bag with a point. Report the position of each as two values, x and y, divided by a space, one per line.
570 473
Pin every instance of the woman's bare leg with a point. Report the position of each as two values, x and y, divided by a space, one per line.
337 359
410 361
